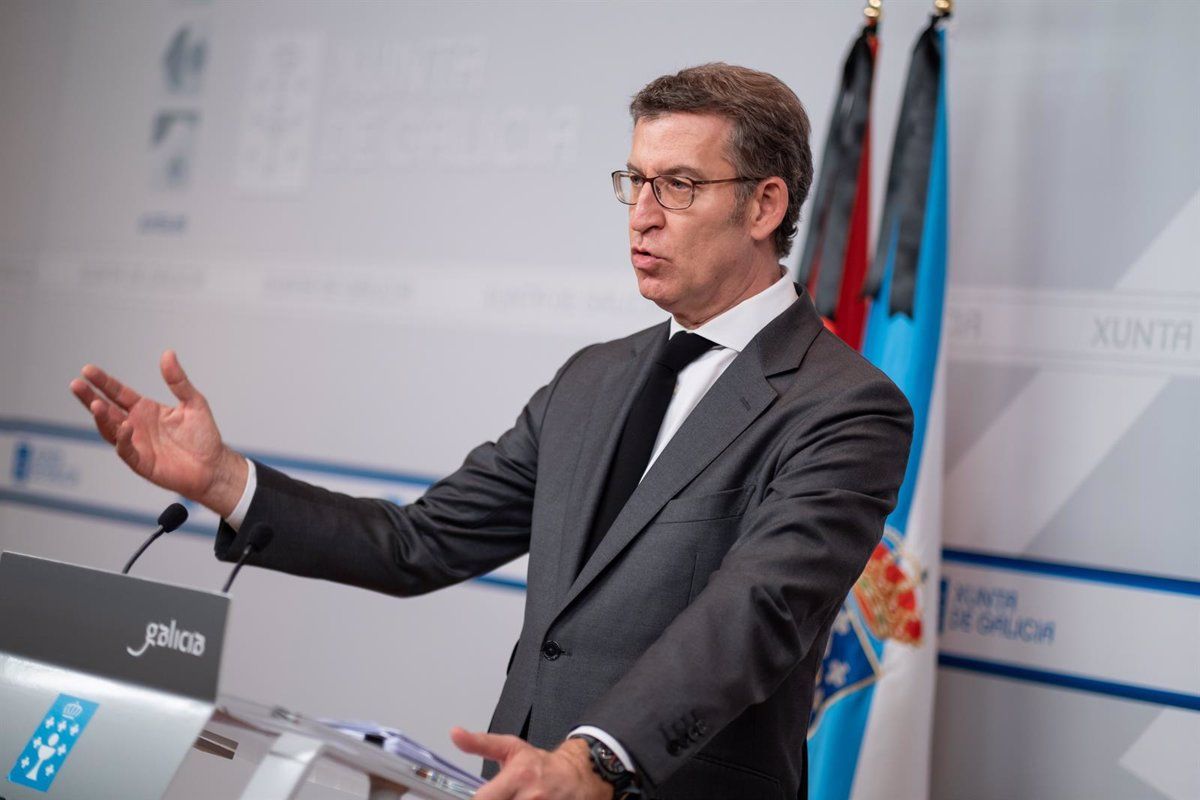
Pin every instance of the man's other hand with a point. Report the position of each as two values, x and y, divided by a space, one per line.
530 773
178 448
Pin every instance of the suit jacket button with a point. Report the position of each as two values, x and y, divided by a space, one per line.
551 651
696 732
673 747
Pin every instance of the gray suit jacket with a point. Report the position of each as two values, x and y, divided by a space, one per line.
694 632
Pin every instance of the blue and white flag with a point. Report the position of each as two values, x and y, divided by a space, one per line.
869 736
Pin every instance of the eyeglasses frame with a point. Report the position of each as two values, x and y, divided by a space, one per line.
654 188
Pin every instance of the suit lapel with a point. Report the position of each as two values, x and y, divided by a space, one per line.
739 396
614 398
736 400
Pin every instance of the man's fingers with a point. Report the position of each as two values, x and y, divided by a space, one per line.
504 786
489 745
120 394
176 379
107 418
87 397
508 783
125 448
80 388
104 414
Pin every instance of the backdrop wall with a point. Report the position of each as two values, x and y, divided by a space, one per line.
373 230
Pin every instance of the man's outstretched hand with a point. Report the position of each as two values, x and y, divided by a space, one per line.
530 773
178 448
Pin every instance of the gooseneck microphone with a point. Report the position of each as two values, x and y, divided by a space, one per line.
260 536
171 518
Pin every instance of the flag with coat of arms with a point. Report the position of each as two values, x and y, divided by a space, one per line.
872 717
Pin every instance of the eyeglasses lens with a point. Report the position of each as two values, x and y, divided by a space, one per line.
674 193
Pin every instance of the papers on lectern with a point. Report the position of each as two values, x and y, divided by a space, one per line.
396 742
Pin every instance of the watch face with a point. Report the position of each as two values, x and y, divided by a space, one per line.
610 768
609 759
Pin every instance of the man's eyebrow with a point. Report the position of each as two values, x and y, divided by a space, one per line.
682 169
678 169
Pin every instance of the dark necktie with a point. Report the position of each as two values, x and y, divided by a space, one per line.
641 431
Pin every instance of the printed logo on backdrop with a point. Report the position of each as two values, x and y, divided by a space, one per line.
184 60
432 102
44 755
1115 331
279 112
887 605
172 147
42 464
22 455
175 130
1141 334
985 609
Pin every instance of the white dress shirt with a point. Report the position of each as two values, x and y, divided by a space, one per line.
731 331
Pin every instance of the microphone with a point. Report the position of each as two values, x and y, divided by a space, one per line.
260 536
171 518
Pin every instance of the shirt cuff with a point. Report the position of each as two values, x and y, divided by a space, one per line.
609 742
238 515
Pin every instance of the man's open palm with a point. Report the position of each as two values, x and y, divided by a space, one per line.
178 448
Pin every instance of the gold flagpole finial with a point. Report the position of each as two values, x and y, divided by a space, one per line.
943 8
873 11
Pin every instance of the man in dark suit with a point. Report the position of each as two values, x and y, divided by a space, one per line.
696 499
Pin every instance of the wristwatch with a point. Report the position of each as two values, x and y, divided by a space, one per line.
610 769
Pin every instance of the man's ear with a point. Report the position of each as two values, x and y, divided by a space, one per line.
767 208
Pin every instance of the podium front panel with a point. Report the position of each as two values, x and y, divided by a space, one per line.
105 680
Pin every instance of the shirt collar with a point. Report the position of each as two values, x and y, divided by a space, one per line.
735 327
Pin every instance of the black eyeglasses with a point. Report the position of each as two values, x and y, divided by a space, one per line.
672 191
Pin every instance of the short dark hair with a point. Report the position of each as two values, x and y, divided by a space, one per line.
770 127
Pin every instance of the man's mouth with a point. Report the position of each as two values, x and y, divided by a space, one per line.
643 258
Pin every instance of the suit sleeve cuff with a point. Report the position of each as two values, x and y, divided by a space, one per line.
238 515
609 742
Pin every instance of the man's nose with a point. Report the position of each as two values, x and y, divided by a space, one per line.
647 213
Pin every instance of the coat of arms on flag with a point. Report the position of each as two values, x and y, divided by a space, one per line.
885 604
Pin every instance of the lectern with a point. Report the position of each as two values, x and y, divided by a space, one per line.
108 681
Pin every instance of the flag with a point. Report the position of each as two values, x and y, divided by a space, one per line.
869 735
834 262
